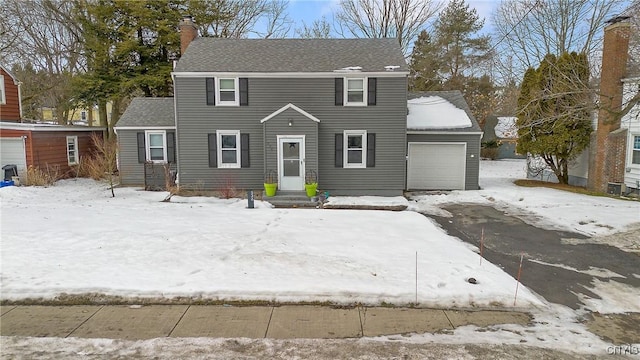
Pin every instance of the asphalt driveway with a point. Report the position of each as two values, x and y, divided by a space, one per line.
556 270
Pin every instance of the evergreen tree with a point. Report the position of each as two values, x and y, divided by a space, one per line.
452 57
127 45
554 110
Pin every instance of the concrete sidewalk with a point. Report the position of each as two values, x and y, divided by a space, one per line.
281 322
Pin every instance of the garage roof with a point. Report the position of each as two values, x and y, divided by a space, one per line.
450 106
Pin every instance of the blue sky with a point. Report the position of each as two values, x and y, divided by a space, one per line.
310 10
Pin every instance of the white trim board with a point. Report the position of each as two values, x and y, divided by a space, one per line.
285 108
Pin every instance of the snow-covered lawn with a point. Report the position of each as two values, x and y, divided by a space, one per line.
73 238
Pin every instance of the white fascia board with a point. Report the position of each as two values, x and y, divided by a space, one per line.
47 127
286 107
144 128
289 74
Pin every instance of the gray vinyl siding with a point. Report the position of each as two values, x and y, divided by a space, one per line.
301 125
131 171
472 172
314 95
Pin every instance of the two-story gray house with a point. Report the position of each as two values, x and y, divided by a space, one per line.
243 108
246 107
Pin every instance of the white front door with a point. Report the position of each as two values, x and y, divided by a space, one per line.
291 162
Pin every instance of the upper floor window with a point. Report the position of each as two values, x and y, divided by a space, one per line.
3 99
227 91
156 146
355 92
72 150
635 157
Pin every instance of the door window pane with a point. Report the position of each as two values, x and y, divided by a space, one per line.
291 167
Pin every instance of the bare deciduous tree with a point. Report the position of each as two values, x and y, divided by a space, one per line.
238 18
400 19
528 30
43 35
319 29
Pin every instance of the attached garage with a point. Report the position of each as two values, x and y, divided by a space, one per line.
12 151
443 142
436 166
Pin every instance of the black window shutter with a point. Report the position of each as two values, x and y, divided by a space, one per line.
213 156
244 150
371 150
171 147
211 91
339 91
339 150
244 91
142 152
371 91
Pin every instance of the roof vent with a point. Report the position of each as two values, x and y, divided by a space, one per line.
391 67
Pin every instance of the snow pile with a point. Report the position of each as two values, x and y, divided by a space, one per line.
434 112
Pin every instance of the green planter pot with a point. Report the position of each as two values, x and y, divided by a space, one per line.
311 189
270 189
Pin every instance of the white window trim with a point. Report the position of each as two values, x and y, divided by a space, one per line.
345 149
236 101
75 149
3 96
631 150
219 134
147 145
365 82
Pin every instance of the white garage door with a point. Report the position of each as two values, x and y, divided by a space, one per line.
436 166
12 152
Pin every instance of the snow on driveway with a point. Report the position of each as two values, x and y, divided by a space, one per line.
73 238
544 207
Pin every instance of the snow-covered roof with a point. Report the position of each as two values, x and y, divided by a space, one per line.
435 112
506 127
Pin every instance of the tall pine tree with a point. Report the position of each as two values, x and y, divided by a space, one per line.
453 57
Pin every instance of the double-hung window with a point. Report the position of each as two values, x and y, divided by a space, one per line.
72 150
228 91
355 149
635 157
156 148
355 92
228 148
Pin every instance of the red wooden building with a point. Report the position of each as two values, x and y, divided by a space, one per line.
46 146
10 102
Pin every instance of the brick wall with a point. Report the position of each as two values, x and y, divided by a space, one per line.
616 150
602 168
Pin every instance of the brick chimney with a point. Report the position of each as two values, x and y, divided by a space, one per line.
608 143
188 32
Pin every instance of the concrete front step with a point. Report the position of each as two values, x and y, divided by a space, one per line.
291 199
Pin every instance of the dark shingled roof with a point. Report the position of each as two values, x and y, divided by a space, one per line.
290 55
455 97
145 111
